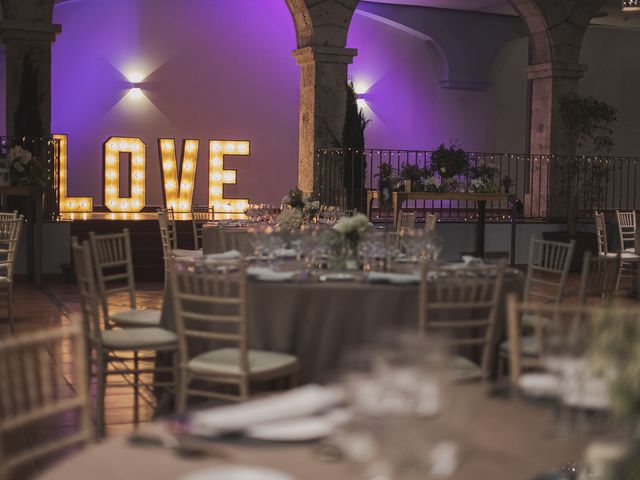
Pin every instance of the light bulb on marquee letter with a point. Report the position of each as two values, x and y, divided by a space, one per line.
68 204
178 189
112 149
218 176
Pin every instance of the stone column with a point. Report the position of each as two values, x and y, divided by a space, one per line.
550 82
323 101
28 76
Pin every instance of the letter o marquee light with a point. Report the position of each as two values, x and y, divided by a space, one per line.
137 150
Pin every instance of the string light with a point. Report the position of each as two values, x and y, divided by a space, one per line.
112 149
178 193
68 204
218 176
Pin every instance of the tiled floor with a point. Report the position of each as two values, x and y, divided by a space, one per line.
56 305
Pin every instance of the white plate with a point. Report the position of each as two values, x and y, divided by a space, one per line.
237 473
338 277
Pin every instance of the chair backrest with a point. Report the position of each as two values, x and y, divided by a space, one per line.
168 233
88 290
559 330
464 305
601 233
8 215
10 229
113 263
430 221
209 301
33 389
406 220
235 238
548 270
626 228
200 216
351 212
599 277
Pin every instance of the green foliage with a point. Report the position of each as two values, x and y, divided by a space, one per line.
587 123
411 171
449 162
385 171
295 198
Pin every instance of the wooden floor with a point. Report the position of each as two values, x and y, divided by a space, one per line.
55 305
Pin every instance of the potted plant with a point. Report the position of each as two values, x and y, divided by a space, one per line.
385 185
481 178
587 127
449 163
429 183
506 183
412 175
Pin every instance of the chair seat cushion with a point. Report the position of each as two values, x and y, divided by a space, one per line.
630 256
528 346
540 385
181 252
226 361
137 318
139 338
465 370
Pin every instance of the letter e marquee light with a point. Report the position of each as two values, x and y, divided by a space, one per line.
218 176
137 150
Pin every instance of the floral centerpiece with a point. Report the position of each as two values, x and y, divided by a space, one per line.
301 209
449 163
351 230
23 168
481 178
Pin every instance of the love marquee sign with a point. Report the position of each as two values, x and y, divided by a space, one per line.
177 181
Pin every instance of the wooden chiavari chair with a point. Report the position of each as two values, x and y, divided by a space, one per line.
33 389
430 222
406 221
10 229
560 331
200 216
210 304
169 238
599 277
235 238
546 282
113 264
627 230
474 299
628 260
110 344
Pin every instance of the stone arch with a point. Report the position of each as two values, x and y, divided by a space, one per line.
322 23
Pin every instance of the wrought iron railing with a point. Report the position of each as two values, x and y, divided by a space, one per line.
542 183
45 151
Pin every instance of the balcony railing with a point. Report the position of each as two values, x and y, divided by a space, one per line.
542 183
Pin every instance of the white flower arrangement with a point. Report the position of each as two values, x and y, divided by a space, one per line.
18 158
352 225
290 219
477 185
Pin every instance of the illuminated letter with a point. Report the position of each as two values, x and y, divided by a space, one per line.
178 189
68 204
218 176
112 148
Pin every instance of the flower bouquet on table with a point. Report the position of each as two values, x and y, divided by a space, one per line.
482 176
24 169
449 163
307 209
290 219
351 230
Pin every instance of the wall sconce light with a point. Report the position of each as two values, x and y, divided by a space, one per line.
135 81
631 5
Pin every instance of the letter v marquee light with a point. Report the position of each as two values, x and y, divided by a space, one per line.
178 183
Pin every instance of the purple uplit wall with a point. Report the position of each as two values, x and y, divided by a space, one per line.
222 69
213 69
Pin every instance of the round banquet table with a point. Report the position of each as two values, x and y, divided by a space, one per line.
320 321
499 439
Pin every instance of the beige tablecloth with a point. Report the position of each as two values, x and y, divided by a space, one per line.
211 237
319 322
500 440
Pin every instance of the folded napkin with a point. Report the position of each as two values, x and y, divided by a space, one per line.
398 278
285 253
276 276
230 255
300 402
471 260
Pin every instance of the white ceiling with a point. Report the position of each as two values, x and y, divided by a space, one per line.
614 14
